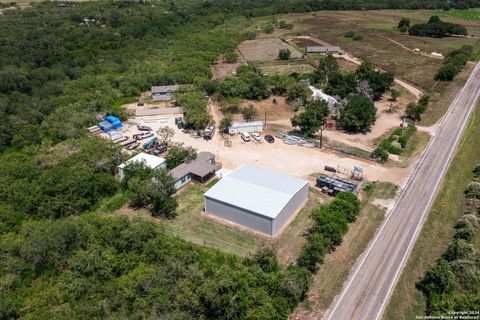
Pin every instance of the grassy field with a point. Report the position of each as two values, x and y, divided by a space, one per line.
192 225
406 301
285 67
389 49
332 274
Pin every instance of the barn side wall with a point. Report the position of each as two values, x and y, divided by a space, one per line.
292 206
239 216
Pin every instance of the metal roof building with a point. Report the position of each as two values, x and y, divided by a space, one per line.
162 93
149 160
323 49
257 199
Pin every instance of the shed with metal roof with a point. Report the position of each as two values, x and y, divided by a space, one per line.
256 198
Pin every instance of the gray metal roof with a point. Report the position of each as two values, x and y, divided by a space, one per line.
170 88
246 124
323 49
257 190
201 166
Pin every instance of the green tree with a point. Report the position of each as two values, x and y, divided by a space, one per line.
310 120
284 54
249 113
165 135
404 22
327 66
394 94
414 111
358 115
231 57
225 123
178 154
446 72
298 91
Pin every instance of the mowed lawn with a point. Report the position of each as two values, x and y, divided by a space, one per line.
406 301
193 225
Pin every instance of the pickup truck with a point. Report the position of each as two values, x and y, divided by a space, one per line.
150 144
143 135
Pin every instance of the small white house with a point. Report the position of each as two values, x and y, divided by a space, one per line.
149 160
245 126
318 94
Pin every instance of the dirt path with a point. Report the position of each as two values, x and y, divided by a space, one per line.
410 88
347 56
401 45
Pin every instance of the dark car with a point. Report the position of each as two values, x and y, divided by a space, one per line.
159 150
269 138
144 128
140 103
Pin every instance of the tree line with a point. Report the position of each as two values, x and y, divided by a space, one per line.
452 284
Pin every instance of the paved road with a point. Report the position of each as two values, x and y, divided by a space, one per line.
368 289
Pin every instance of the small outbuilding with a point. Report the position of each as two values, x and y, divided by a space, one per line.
245 126
149 160
256 198
163 93
201 169
323 49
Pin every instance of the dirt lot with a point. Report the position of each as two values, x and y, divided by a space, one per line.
221 69
265 48
387 120
280 110
297 161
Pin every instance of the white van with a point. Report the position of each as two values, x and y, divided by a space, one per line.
245 136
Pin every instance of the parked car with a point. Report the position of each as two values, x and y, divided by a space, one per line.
143 135
132 146
140 103
144 128
245 136
256 136
159 149
269 138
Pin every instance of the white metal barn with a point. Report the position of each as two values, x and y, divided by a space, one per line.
257 199
149 160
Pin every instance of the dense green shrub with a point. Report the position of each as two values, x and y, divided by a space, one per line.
357 37
437 28
380 153
349 34
93 265
452 283
330 224
454 63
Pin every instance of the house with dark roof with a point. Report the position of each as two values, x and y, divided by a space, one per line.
163 93
201 169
